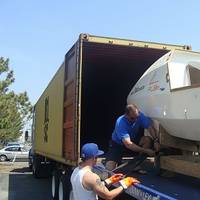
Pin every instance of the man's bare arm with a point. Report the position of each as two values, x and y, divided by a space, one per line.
94 182
104 193
131 145
134 147
153 132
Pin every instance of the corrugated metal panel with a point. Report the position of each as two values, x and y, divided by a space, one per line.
106 52
49 117
70 133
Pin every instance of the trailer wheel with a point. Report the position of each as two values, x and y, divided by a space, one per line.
55 183
36 167
3 158
61 193
64 187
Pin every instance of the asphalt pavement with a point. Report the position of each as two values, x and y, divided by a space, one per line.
17 183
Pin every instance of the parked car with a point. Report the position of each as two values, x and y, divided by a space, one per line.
30 158
14 144
10 152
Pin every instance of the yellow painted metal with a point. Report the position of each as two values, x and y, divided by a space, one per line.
56 158
135 43
54 92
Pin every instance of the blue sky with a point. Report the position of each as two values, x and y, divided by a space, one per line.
35 34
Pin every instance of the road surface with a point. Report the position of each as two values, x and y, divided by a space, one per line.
17 183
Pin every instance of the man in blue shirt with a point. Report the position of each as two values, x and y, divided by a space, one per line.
129 134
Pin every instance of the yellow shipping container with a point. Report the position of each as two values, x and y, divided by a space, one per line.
88 92
49 118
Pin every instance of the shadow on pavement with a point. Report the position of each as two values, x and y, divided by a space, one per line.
21 170
25 186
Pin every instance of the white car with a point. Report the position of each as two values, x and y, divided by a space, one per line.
14 144
10 152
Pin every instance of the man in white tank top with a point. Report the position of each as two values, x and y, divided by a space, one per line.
87 185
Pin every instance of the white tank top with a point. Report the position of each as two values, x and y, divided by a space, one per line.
78 191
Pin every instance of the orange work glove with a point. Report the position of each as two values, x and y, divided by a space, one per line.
114 179
128 181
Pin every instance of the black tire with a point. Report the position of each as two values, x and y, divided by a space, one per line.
3 158
46 170
65 187
36 168
30 164
55 183
30 167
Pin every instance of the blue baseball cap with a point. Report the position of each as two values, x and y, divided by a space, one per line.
90 150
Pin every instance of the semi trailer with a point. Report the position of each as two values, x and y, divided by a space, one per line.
81 103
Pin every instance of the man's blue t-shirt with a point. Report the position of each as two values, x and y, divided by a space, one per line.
124 128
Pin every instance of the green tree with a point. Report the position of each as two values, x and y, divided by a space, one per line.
15 109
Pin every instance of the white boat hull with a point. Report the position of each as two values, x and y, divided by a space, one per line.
178 113
178 110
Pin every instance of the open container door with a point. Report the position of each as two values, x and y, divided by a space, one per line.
71 111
